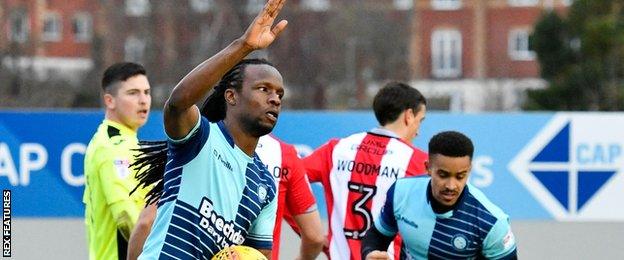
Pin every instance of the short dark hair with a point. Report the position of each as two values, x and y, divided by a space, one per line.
214 107
120 72
394 98
452 144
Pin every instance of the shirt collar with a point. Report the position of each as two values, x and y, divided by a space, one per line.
460 200
124 130
226 133
384 132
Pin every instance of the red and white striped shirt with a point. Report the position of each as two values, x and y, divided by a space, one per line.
356 172
295 195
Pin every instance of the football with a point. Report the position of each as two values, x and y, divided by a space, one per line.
239 253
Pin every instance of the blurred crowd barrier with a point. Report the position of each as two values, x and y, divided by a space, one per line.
536 166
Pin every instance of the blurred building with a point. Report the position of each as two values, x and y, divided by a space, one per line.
465 55
47 38
474 55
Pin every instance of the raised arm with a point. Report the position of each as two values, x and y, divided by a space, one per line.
180 111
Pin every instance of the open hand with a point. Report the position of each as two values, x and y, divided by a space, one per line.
261 32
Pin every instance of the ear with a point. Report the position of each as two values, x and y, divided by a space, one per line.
427 166
408 116
109 101
230 96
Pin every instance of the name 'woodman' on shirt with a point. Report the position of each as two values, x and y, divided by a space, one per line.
351 166
371 147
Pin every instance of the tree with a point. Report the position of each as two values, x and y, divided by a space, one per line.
581 57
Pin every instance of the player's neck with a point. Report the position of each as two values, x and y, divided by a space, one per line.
110 116
398 129
242 139
439 208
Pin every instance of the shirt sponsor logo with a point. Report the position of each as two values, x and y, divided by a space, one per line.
223 232
222 159
373 147
407 221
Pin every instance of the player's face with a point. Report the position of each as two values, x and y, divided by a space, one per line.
131 103
261 99
448 177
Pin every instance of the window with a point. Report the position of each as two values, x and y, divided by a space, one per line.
82 27
519 47
403 4
567 2
446 52
201 6
254 6
523 2
137 7
575 44
52 27
134 49
446 4
316 5
19 26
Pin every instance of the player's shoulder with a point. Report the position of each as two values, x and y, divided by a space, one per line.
272 139
216 133
486 203
418 153
261 170
106 139
412 183
330 144
346 141
354 137
409 190
110 136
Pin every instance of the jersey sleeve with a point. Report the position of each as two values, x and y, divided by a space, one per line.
290 220
319 163
188 147
500 242
386 221
113 174
261 232
202 127
113 171
299 198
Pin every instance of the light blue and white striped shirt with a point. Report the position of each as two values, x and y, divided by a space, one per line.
214 196
474 229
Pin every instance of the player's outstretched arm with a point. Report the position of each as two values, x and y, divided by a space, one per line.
372 244
141 231
311 235
180 111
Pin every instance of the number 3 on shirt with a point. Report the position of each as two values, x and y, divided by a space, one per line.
359 208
